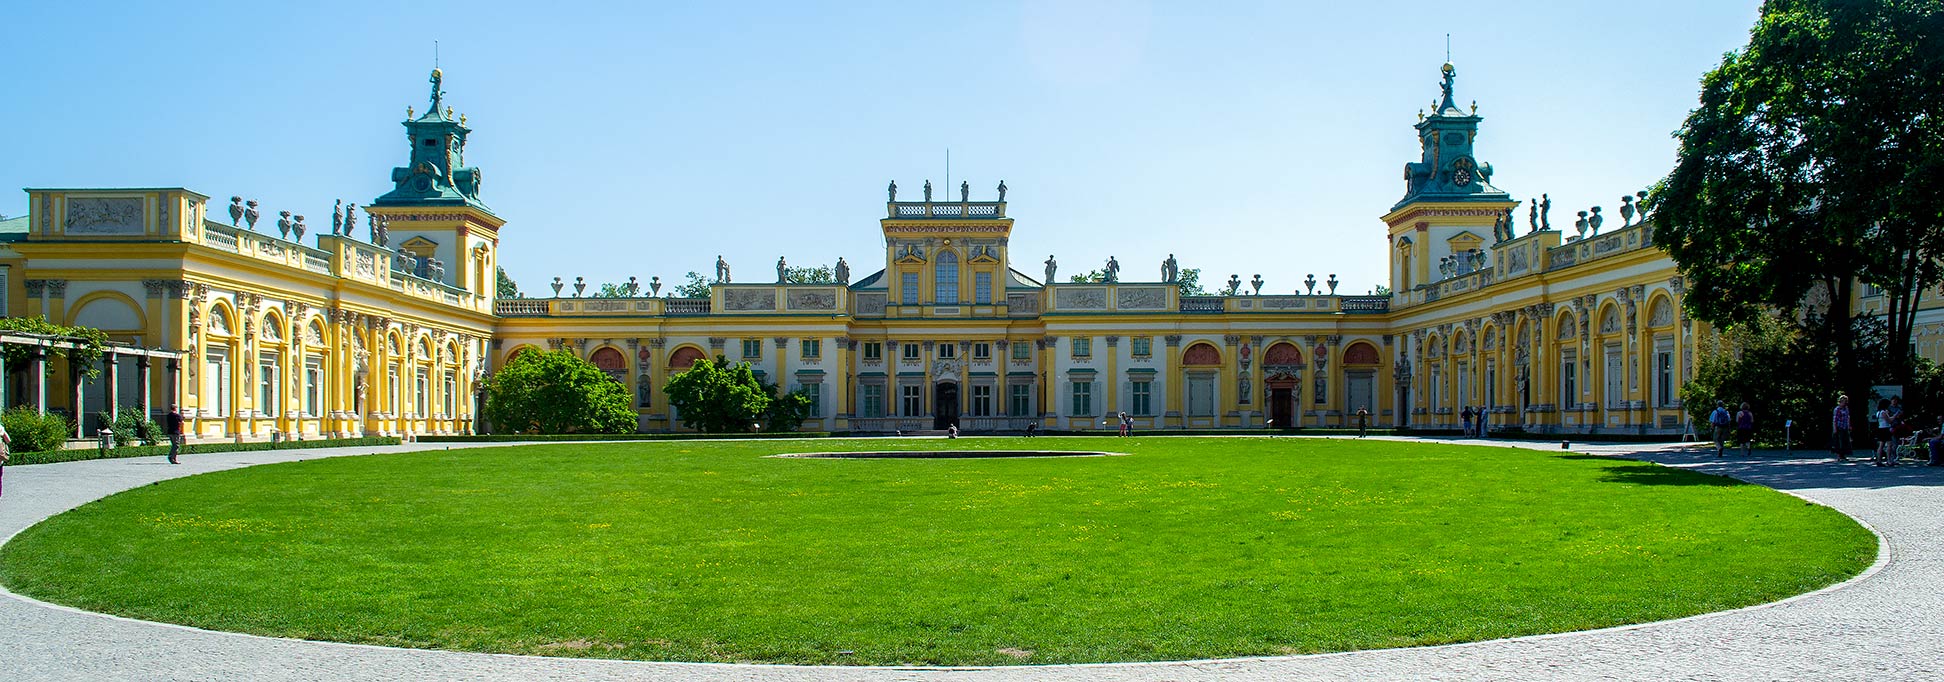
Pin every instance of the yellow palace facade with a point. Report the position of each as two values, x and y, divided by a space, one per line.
385 321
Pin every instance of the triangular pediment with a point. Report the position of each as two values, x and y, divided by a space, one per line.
419 246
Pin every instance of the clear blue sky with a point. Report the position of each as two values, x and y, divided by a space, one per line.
643 139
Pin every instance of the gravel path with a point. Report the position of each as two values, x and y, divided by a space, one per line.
1888 624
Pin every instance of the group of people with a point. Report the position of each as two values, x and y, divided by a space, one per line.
1742 421
1893 430
1475 422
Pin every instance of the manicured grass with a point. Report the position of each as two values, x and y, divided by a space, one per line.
708 551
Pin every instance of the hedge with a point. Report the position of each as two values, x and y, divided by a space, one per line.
551 437
52 456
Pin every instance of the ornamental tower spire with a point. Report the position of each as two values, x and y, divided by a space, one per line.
1448 170
435 173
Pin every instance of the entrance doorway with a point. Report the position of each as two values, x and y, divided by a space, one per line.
945 405
1282 403
1361 395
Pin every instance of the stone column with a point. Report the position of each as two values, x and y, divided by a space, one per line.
80 394
39 370
145 385
111 400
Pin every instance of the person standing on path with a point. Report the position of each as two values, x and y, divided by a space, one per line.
1363 422
1745 428
1884 444
1466 414
1126 425
172 427
1720 419
6 447
1839 429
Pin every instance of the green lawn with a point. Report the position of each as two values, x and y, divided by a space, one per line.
708 551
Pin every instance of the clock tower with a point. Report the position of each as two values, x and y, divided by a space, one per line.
1450 207
433 210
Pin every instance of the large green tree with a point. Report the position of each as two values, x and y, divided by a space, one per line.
716 396
1815 159
556 392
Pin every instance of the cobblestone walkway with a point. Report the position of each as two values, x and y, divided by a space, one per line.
1887 625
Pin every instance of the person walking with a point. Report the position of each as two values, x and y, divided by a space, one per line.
1839 429
1745 428
1126 425
1363 422
1466 414
172 427
6 448
1885 446
1720 419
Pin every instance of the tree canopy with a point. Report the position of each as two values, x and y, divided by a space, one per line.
695 287
504 286
1815 159
556 392
716 396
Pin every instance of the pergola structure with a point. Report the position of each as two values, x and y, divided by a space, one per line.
111 355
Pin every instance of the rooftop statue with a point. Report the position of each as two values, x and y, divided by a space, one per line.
722 270
893 190
927 191
337 216
782 271
1002 191
965 191
1545 211
843 271
1051 267
1170 271
1113 269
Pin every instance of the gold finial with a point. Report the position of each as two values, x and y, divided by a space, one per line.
462 119
448 112
1420 114
408 112
436 73
1474 106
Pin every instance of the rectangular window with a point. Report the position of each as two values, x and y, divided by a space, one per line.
1568 382
815 393
1616 377
981 401
982 288
871 397
811 348
1143 346
397 403
313 385
913 400
216 382
421 387
908 289
752 349
1082 347
910 351
1021 400
267 385
1082 399
873 350
1664 377
1021 351
947 350
1141 398
448 386
982 351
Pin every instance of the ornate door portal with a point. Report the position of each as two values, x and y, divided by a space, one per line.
945 405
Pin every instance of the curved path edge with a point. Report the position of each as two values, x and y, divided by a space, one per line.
1880 624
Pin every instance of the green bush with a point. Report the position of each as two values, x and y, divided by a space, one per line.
131 427
32 431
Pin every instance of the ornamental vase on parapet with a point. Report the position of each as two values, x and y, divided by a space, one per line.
556 287
1332 283
297 228
580 286
654 286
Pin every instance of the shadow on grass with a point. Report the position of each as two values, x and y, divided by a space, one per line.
1646 473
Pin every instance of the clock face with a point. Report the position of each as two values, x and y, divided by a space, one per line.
423 184
1462 171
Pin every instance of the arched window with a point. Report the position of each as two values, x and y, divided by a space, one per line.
1282 355
945 288
683 357
611 362
1360 354
1201 355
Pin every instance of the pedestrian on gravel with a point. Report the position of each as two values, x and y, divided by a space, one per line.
1466 414
1745 428
1720 420
172 427
1363 422
1839 429
6 447
1885 444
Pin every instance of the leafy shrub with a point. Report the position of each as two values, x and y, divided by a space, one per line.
32 431
131 427
557 392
